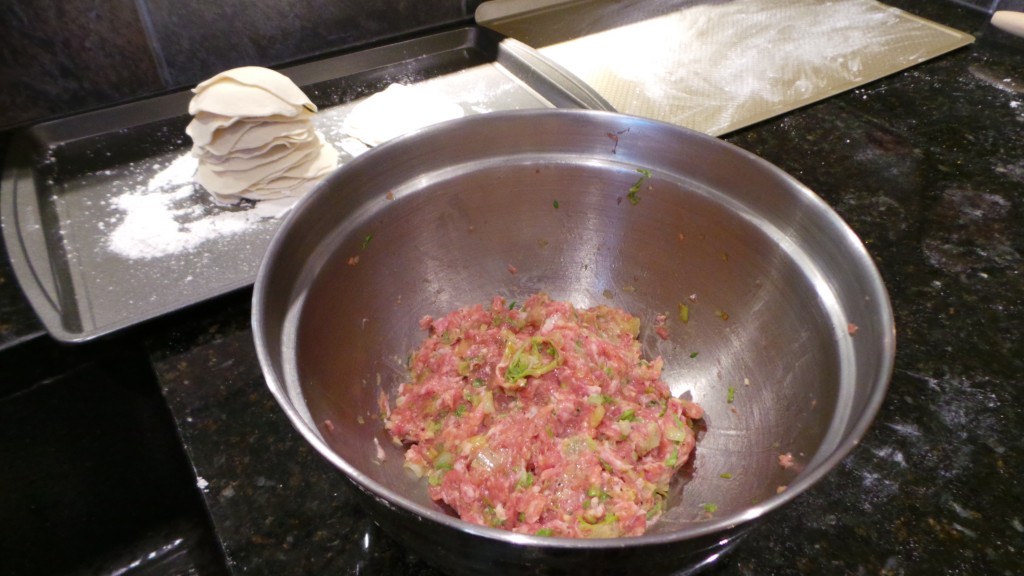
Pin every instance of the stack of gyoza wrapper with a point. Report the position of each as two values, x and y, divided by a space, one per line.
252 131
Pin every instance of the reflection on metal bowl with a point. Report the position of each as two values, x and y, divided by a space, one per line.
788 345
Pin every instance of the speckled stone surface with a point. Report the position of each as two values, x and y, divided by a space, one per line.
927 166
278 506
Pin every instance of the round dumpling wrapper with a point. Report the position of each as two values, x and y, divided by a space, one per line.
229 98
266 79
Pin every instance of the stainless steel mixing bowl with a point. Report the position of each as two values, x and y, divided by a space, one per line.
789 342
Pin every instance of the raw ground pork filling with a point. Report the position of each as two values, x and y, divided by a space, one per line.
542 419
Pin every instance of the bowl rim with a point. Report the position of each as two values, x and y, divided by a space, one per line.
807 478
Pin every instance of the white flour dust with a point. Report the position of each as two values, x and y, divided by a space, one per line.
164 217
171 214
713 65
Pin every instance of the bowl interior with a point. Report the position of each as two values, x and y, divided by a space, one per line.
518 203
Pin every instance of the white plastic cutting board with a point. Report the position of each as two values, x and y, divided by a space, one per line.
718 65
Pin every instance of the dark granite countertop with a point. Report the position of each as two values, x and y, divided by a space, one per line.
927 166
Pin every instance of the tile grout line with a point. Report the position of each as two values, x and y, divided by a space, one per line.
142 8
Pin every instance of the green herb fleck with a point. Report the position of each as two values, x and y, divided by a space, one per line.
731 395
606 528
491 517
634 190
628 415
725 475
555 204
366 240
444 461
710 508
535 357
673 458
544 532
693 354
512 306
684 313
677 431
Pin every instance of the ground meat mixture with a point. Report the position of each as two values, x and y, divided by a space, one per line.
542 419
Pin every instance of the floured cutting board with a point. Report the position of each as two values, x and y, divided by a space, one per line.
718 65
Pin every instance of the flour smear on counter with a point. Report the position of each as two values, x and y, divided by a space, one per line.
717 66
165 218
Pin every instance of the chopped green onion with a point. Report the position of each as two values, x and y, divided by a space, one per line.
725 475
606 528
366 240
444 461
677 431
491 517
629 415
673 458
536 357
684 313
731 395
544 532
634 190
656 509
693 354
555 204
710 508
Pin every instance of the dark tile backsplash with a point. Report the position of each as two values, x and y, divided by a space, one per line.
63 56
198 38
58 56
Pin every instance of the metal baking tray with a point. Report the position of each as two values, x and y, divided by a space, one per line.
65 181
